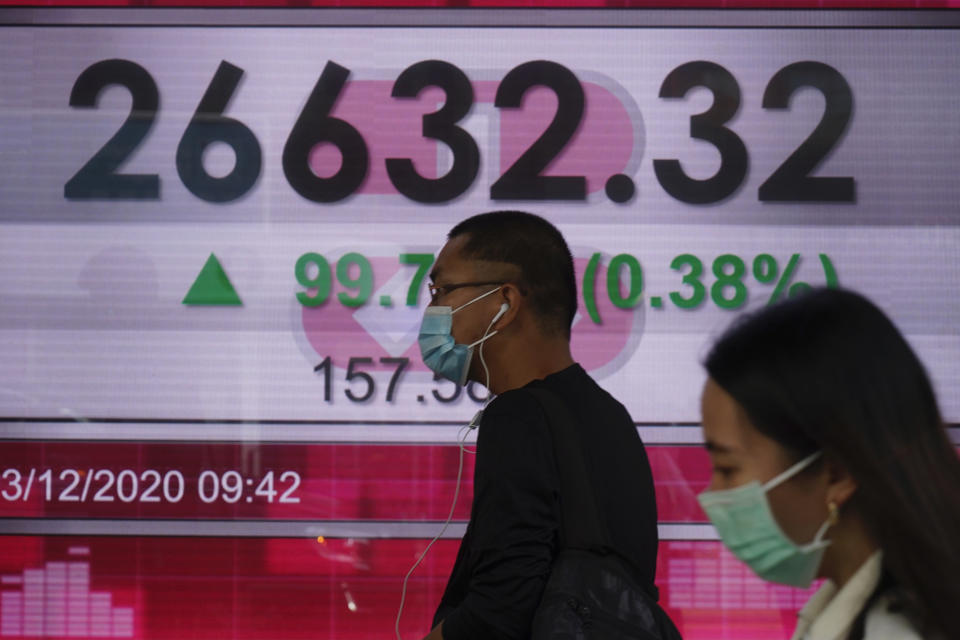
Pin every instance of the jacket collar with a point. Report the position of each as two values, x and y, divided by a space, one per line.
830 612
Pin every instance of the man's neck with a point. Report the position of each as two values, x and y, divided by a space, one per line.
517 367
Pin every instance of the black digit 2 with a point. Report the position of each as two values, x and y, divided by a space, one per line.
440 125
98 178
792 180
706 126
522 181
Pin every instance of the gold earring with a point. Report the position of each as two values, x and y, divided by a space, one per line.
834 515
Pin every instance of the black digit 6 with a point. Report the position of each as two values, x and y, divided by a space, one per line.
316 125
209 125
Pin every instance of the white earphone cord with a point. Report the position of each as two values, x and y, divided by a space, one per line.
461 439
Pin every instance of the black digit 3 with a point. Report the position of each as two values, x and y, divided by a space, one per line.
707 126
440 125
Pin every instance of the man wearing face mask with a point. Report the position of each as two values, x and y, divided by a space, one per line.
503 302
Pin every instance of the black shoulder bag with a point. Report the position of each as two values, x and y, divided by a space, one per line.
592 594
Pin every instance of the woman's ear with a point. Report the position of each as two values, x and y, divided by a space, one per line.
840 484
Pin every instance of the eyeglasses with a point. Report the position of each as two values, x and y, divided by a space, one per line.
442 290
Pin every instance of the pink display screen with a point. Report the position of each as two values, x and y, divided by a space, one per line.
217 227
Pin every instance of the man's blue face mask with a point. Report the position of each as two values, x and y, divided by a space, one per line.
440 351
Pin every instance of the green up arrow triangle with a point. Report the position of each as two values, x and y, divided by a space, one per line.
212 286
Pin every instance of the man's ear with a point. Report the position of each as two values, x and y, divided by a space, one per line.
511 302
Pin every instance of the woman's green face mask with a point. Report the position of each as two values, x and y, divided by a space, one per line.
746 525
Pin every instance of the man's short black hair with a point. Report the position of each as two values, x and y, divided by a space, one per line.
539 252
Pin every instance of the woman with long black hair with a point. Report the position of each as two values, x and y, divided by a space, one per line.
830 459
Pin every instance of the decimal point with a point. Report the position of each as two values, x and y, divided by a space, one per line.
656 302
421 399
620 188
249 499
250 482
386 301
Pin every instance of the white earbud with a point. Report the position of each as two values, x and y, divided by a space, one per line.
503 309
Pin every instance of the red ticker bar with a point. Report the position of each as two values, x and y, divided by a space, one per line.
275 481
219 481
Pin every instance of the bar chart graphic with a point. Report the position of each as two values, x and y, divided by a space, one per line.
55 601
707 576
